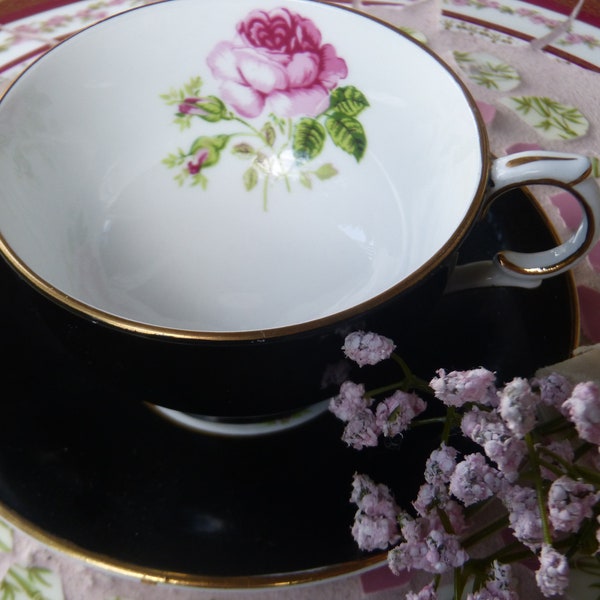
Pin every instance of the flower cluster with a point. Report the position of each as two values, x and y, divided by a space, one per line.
533 461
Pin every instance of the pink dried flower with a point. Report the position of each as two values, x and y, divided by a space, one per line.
583 409
429 496
487 429
374 532
570 502
350 401
435 498
524 514
554 389
426 593
440 465
444 552
517 406
375 523
497 587
460 387
474 480
395 413
367 348
407 556
553 575
373 498
426 548
361 431
562 448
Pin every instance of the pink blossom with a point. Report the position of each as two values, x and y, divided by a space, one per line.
460 387
583 409
487 594
497 587
553 575
375 523
524 514
195 165
440 465
374 532
570 502
350 401
517 406
474 480
487 429
361 431
373 498
444 552
407 556
554 389
277 62
367 348
429 496
426 593
395 413
562 448
427 548
433 498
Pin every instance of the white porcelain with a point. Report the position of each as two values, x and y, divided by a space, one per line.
318 177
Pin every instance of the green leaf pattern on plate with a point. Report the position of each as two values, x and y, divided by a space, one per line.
30 583
6 537
551 118
488 71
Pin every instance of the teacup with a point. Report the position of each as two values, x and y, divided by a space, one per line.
213 195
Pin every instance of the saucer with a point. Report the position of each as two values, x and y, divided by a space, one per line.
108 480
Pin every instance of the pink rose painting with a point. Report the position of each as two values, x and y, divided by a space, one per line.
275 68
278 63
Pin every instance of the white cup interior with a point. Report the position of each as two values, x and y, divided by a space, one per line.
87 205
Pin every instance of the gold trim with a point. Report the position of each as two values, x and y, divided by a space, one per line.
564 263
153 576
439 257
525 160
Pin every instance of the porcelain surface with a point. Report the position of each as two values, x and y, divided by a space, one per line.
235 183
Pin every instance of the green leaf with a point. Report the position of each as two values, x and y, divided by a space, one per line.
309 139
553 119
348 101
269 134
348 134
250 178
326 171
305 180
243 150
214 109
190 89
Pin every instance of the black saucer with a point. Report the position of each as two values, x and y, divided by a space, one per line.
115 484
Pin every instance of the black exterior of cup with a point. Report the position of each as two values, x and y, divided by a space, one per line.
244 379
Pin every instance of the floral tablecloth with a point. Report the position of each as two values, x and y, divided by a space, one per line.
533 68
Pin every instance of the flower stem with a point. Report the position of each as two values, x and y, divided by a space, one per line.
411 380
448 423
537 477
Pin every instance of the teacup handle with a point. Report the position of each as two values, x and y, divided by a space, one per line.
572 172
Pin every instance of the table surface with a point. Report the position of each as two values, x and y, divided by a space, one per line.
566 70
